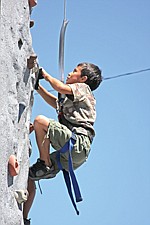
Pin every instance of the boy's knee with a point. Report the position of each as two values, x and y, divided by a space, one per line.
37 121
41 122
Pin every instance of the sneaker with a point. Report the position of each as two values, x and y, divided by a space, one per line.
26 222
40 171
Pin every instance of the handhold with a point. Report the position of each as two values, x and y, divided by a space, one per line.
22 106
20 43
32 3
21 196
30 148
31 128
13 166
31 23
31 61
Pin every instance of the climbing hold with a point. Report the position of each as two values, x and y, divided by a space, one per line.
30 148
20 43
31 128
22 106
21 196
13 166
32 3
31 62
31 23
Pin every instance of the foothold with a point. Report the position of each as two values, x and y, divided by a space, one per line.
20 43
31 62
32 3
21 196
13 166
22 106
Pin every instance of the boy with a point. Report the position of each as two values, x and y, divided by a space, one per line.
76 114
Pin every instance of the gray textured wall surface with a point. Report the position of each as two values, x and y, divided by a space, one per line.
16 89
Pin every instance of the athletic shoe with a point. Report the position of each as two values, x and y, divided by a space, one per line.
26 222
40 171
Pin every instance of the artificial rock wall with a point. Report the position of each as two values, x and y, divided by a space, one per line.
16 99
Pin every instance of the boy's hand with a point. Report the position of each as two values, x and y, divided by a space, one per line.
58 85
45 74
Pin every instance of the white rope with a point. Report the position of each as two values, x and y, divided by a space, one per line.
61 44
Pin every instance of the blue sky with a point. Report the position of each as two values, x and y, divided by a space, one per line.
115 181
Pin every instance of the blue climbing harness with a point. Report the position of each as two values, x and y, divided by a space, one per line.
70 173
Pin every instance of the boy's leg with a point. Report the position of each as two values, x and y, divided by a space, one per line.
28 203
48 132
41 124
43 168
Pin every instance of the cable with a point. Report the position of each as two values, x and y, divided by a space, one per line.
126 74
118 76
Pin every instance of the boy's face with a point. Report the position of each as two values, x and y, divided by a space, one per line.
75 76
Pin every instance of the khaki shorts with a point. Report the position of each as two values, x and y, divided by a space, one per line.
59 134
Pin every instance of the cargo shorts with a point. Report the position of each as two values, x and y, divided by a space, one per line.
59 134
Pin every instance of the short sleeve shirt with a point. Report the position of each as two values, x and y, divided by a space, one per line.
80 110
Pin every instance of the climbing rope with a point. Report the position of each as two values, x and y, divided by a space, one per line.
69 176
61 44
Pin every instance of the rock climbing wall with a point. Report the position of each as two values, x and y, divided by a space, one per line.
16 100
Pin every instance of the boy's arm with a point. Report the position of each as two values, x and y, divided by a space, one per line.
48 97
57 84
